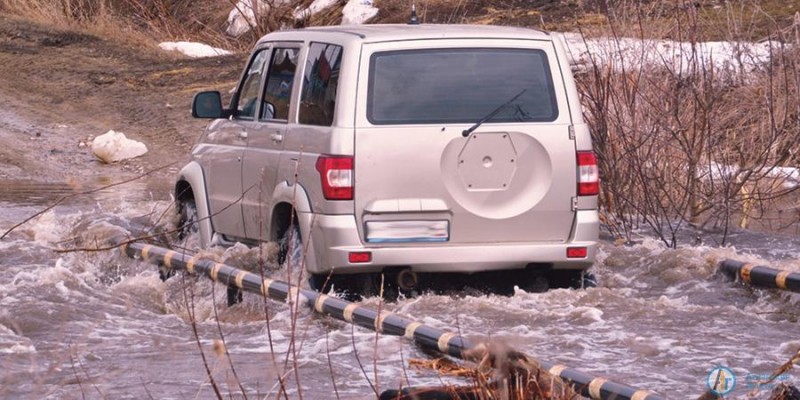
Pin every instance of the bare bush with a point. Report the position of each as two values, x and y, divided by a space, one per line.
692 142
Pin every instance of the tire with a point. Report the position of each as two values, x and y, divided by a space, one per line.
187 225
187 219
287 241
322 282
572 279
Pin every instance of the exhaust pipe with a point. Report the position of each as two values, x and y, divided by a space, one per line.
407 279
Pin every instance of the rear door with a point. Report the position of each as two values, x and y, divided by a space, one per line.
266 139
223 159
421 178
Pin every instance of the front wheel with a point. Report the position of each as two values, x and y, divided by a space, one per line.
187 219
187 226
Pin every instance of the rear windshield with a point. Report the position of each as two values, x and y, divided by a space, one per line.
460 86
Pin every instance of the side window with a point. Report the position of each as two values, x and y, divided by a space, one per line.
320 83
248 92
278 92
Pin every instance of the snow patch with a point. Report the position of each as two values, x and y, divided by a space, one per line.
314 8
194 49
115 146
243 16
789 176
356 12
630 54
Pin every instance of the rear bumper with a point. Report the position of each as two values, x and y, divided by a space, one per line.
333 237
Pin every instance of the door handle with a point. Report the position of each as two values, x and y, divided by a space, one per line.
243 134
276 137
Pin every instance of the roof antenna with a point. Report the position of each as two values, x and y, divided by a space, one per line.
413 20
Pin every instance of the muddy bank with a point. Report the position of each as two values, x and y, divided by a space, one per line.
61 88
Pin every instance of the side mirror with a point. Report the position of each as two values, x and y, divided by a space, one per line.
207 105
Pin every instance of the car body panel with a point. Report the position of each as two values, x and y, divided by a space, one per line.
500 214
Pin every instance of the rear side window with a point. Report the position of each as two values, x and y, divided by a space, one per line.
460 86
278 90
320 84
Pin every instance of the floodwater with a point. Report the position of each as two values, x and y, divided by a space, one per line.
99 325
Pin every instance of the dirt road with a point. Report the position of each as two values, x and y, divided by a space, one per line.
59 88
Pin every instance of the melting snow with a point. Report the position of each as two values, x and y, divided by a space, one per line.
315 7
115 146
193 49
357 12
630 54
716 171
242 17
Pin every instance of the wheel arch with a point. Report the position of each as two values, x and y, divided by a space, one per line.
191 185
291 203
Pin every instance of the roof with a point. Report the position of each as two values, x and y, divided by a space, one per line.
393 32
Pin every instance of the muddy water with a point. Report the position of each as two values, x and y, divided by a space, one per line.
98 325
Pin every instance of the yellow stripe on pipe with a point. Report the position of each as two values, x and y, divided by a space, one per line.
744 273
780 280
320 302
215 270
348 312
240 278
557 369
379 320
265 286
145 251
411 328
641 394
444 341
190 264
168 258
594 387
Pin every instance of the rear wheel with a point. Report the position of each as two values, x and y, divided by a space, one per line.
572 279
289 244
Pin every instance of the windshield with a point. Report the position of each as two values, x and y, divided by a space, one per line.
459 86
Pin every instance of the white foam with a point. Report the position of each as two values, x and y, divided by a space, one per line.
586 315
18 348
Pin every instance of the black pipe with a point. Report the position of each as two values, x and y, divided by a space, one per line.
384 322
761 276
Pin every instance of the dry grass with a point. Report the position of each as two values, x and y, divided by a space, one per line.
132 21
662 133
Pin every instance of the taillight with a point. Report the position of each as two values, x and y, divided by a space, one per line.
336 174
577 252
356 257
588 174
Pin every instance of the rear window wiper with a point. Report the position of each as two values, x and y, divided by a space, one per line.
472 128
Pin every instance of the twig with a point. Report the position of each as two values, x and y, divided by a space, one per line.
151 236
330 362
358 360
224 343
144 386
77 376
69 196
193 323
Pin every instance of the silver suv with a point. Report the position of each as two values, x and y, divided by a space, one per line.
430 153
